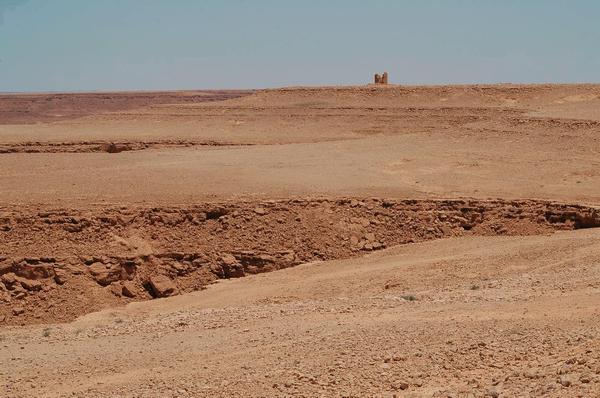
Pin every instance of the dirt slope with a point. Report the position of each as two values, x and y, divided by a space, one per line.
496 315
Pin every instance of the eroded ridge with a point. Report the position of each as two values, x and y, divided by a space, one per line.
57 264
108 147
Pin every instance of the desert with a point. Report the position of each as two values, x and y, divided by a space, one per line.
375 240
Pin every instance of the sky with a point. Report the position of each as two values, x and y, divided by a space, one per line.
80 45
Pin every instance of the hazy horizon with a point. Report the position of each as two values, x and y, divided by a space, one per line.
75 46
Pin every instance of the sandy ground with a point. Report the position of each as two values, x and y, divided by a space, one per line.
509 316
495 298
409 142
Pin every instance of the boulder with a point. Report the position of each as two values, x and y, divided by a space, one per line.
162 286
128 289
228 259
9 280
111 147
180 268
261 211
60 276
231 266
128 268
34 271
115 289
30 285
217 269
253 263
104 274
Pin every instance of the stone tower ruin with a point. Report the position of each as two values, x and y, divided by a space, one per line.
381 79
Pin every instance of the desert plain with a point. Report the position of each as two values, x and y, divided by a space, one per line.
377 240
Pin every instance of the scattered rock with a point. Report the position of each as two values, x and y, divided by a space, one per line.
492 392
387 203
30 285
356 203
128 289
116 289
402 385
174 255
261 211
231 266
18 311
180 268
228 259
217 269
111 147
104 274
565 380
60 276
9 279
200 217
162 286
31 269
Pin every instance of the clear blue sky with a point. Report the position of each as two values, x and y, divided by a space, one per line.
70 45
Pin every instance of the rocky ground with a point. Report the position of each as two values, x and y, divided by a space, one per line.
460 317
427 242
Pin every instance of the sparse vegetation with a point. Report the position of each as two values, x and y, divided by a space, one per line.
409 297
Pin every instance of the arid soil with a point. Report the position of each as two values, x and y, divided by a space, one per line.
426 241
51 107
